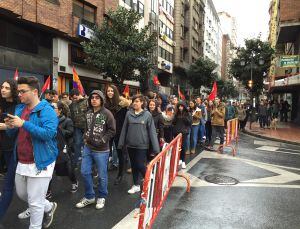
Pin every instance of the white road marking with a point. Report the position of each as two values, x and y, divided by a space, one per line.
268 148
269 143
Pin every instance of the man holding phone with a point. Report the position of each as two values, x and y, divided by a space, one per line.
34 125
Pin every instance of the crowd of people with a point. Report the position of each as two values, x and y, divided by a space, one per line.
96 133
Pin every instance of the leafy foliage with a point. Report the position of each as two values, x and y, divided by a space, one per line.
226 89
201 73
118 48
257 49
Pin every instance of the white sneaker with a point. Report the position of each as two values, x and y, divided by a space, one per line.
180 162
183 166
85 202
100 203
25 214
134 189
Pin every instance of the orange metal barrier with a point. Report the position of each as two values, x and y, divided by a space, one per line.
231 140
160 175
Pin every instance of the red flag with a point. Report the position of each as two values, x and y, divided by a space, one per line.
77 83
180 94
126 91
213 93
155 80
46 84
16 75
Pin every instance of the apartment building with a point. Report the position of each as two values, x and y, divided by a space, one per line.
212 45
284 36
229 41
188 35
42 38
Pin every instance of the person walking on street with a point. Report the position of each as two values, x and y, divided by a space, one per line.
262 114
78 109
137 134
8 101
100 129
118 106
241 116
208 128
35 125
167 123
182 123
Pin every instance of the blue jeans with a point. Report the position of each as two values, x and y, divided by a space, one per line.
101 161
187 142
202 132
194 133
78 144
9 183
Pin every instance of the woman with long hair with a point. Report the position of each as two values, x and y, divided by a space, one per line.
181 125
137 134
196 118
208 128
8 101
153 107
118 106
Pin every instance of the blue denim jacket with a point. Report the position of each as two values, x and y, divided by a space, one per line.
42 126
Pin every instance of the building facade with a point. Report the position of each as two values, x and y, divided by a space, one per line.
229 41
284 36
42 38
188 36
212 45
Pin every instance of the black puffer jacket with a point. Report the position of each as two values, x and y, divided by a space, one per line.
6 142
182 121
67 128
159 123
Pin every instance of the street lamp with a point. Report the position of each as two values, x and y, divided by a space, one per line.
243 63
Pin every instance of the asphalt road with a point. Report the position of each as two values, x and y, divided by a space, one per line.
267 195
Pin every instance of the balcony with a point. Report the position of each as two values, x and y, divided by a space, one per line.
186 5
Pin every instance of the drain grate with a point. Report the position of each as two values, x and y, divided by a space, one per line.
221 180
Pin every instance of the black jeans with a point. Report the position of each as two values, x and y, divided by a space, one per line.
183 149
217 131
208 130
262 121
9 183
120 157
138 159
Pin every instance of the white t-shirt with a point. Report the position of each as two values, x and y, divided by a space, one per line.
30 170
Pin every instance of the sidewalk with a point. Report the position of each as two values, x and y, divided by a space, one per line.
286 132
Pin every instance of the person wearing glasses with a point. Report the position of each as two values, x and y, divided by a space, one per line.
8 101
100 129
35 126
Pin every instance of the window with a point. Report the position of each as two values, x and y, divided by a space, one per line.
84 11
153 5
181 54
165 54
128 2
181 31
141 8
182 9
53 1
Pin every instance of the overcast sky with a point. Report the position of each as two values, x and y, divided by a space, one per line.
252 17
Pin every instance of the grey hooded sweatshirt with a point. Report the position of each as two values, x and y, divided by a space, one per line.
139 131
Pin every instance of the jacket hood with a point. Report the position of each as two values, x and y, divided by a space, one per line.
97 92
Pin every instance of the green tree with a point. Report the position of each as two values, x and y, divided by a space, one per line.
201 73
226 89
118 48
254 50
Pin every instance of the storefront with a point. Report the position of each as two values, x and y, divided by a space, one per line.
25 47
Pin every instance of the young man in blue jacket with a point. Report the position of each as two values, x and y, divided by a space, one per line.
34 125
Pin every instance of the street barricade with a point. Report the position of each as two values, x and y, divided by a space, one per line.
160 175
231 139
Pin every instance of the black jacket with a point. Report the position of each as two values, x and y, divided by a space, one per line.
159 123
67 128
6 142
182 122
